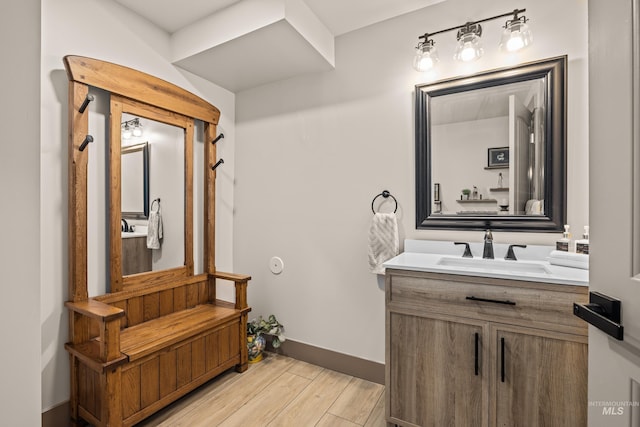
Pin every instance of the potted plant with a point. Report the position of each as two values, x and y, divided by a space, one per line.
256 342
465 193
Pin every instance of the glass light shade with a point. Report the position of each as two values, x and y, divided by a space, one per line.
426 56
469 48
515 36
126 132
137 130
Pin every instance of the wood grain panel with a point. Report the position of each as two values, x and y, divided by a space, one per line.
135 311
135 84
78 127
168 373
224 352
545 380
139 291
192 295
211 349
203 293
123 306
183 364
149 382
432 377
210 204
130 391
166 302
198 357
179 298
151 304
536 304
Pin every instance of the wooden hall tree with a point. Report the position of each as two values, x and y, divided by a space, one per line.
158 334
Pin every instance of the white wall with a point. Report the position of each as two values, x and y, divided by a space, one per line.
462 165
103 30
313 151
20 213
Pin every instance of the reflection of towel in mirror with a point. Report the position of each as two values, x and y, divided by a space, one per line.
154 229
533 207
383 240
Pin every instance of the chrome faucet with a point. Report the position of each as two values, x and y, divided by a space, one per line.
488 245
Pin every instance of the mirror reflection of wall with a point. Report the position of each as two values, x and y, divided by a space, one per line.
465 126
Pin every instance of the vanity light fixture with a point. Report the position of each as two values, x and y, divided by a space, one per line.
516 36
469 45
426 55
131 128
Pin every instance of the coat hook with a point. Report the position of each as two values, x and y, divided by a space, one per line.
218 138
86 142
86 102
221 161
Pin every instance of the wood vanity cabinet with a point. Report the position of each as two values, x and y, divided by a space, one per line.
473 351
136 257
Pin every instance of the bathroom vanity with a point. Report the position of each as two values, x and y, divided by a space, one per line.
136 257
469 350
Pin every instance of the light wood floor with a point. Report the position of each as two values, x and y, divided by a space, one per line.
276 392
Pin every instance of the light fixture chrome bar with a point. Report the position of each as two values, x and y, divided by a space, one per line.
515 12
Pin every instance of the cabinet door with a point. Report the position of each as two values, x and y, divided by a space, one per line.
436 370
541 378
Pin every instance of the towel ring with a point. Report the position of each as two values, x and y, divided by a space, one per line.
155 201
386 195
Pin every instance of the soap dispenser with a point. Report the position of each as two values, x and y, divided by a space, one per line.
563 244
582 245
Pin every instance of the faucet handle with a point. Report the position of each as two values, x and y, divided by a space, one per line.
467 250
488 235
510 254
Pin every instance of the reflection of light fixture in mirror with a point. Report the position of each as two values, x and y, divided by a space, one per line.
516 34
131 128
426 55
469 45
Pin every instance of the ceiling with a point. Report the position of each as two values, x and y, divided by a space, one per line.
210 38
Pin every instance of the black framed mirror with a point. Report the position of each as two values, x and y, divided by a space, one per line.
491 150
135 181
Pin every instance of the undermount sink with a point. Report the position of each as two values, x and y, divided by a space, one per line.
494 265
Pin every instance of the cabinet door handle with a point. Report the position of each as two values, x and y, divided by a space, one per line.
502 359
495 301
476 366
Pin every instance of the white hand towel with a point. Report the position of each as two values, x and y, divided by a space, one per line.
154 229
383 240
569 259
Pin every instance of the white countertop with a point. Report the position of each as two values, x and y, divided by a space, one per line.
130 234
532 266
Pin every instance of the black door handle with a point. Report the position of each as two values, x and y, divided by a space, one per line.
495 301
476 366
502 359
603 312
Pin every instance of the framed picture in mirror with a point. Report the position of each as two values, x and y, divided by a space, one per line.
498 157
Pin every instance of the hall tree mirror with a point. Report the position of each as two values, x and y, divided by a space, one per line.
169 140
166 163
165 180
491 149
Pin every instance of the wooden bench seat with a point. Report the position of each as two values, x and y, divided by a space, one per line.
144 339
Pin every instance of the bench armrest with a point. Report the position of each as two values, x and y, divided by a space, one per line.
241 281
95 310
231 276
108 318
